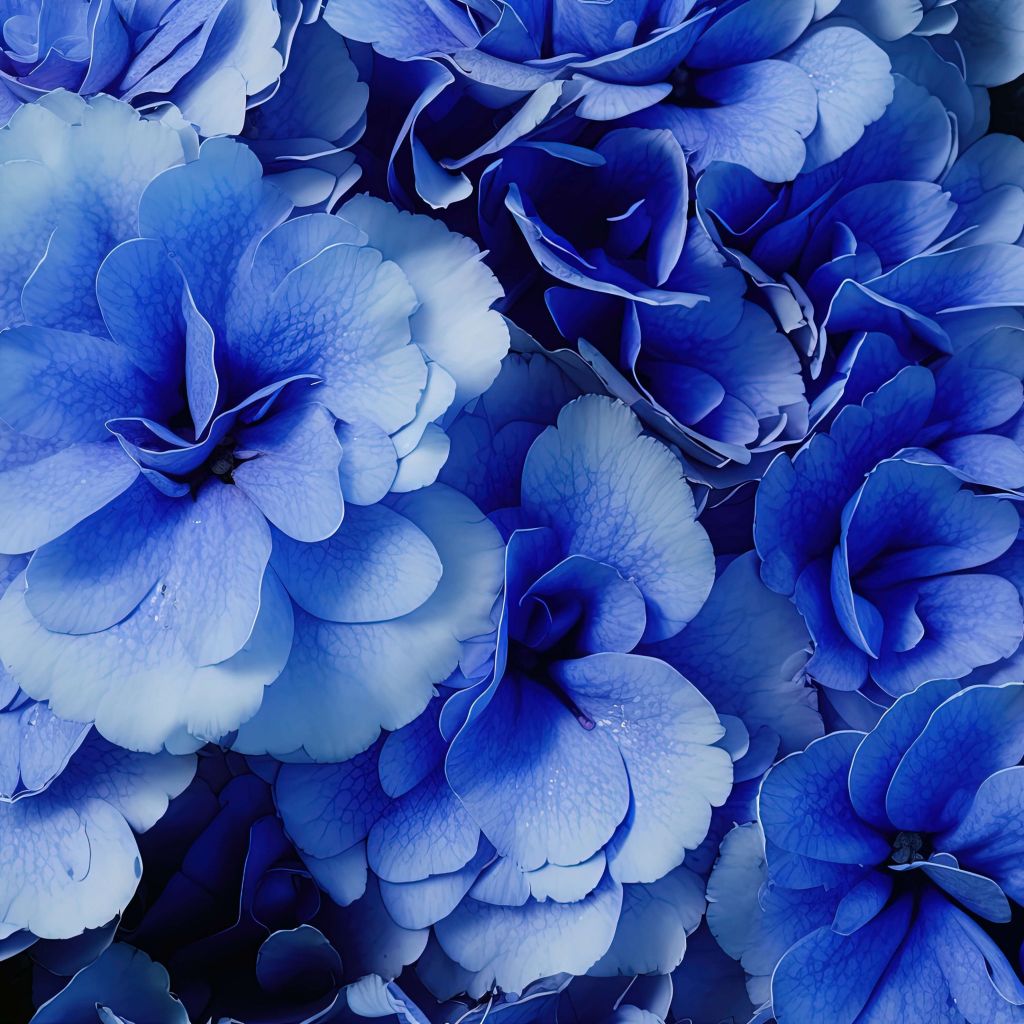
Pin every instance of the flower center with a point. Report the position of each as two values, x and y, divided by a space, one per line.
535 664
909 848
679 79
223 461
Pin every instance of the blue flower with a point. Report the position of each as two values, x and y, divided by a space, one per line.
198 393
904 243
540 816
210 60
893 860
904 570
732 82
625 273
512 816
986 37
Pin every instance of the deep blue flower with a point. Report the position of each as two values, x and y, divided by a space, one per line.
641 290
903 568
735 81
197 392
904 243
211 60
891 867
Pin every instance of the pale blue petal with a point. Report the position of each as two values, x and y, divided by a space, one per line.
42 498
69 857
513 946
621 499
346 681
378 566
157 694
454 324
804 805
665 731
290 472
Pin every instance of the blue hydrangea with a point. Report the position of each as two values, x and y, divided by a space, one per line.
642 291
887 534
888 863
213 413
471 840
901 250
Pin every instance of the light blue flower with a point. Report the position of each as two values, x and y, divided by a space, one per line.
198 393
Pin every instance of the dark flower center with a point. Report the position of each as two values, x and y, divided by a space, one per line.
223 461
535 665
679 79
909 848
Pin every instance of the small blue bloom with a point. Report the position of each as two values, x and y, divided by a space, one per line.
892 861
220 430
210 60
899 250
903 569
642 291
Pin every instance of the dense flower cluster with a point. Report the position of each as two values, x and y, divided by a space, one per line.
510 510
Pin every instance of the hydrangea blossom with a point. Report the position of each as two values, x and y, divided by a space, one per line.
467 841
905 242
890 862
476 818
642 291
198 395
886 533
